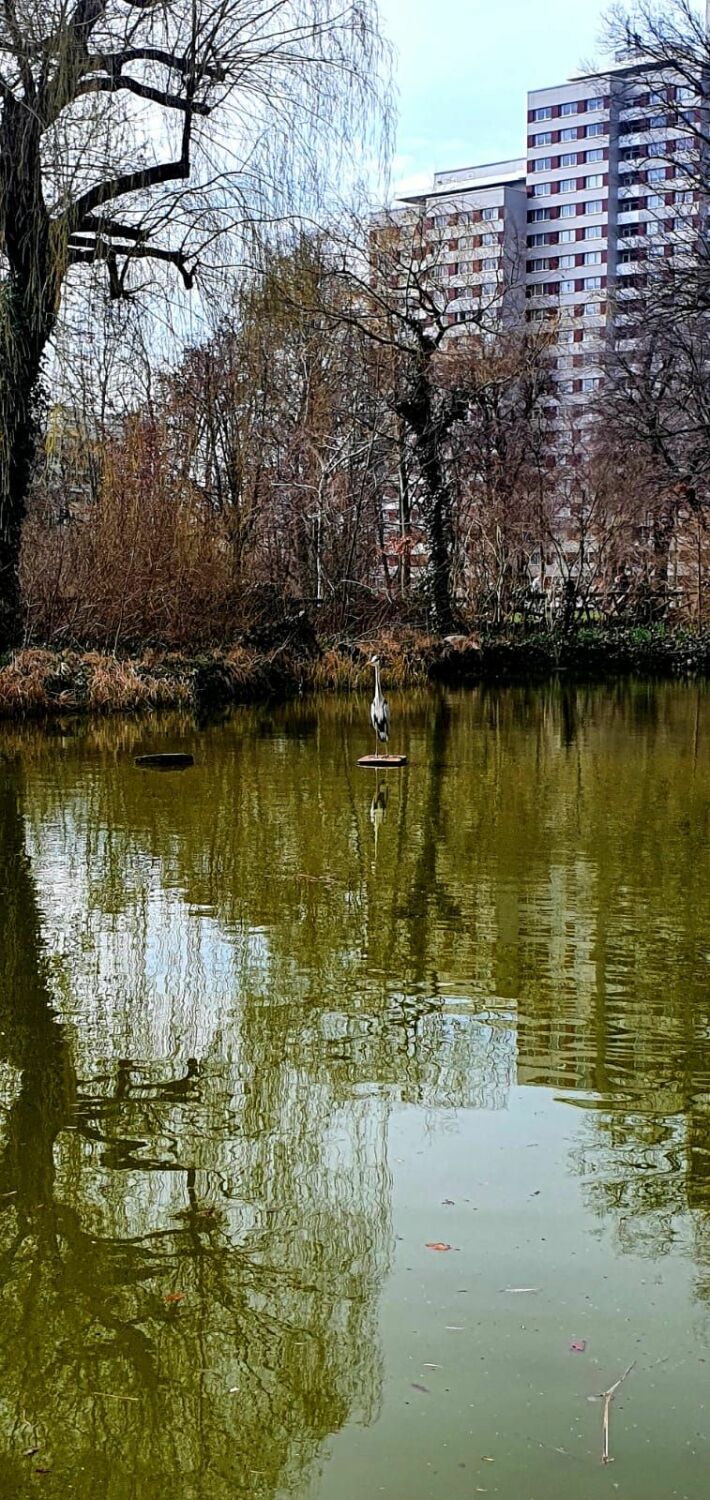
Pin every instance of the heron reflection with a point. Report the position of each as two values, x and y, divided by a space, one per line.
378 808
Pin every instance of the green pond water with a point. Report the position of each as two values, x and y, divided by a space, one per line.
273 1027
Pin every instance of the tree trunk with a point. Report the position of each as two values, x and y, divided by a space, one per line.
428 432
28 304
405 515
437 516
19 374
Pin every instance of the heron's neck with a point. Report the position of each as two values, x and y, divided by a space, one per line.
377 679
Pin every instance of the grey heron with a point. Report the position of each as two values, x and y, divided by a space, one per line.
379 708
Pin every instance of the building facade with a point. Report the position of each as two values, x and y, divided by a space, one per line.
613 197
572 234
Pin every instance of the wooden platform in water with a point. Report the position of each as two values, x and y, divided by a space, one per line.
167 761
382 762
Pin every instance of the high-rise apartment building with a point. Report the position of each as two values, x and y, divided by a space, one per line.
463 242
612 199
474 226
606 198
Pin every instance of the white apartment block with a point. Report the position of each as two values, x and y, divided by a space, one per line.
606 197
612 198
467 234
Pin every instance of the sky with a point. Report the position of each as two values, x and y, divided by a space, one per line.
464 68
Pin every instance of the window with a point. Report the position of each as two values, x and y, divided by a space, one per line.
569 133
659 122
491 213
569 159
655 200
684 95
568 185
656 174
538 239
489 239
683 197
540 265
652 227
656 97
593 258
593 283
596 155
595 182
543 113
490 265
570 108
595 104
595 232
538 214
591 382
566 287
656 250
626 256
568 211
566 262
568 236
594 206
596 129
542 190
543 164
543 139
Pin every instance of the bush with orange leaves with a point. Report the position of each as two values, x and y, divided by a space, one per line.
143 562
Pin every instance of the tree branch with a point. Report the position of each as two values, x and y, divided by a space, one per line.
89 251
131 182
143 90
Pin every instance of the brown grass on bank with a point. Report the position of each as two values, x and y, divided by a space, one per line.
35 683
345 667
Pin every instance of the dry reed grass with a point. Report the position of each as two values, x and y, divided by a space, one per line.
38 683
345 667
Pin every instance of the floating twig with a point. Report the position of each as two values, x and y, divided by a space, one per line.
607 1397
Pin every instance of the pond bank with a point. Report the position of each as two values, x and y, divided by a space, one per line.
36 683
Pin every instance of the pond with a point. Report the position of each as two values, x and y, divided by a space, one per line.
355 1129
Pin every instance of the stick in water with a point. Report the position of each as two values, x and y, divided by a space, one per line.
607 1397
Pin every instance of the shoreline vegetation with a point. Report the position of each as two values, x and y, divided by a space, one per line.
41 683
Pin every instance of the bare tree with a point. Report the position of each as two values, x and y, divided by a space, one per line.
135 134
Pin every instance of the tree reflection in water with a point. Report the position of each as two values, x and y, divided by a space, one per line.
172 1317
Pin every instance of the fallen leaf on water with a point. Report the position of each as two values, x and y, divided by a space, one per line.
428 1366
417 1387
578 1346
437 1245
487 1460
174 1297
448 1203
517 1291
30 1452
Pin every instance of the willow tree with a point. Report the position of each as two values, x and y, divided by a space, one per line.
134 136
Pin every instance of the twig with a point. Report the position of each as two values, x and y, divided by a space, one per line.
607 1397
